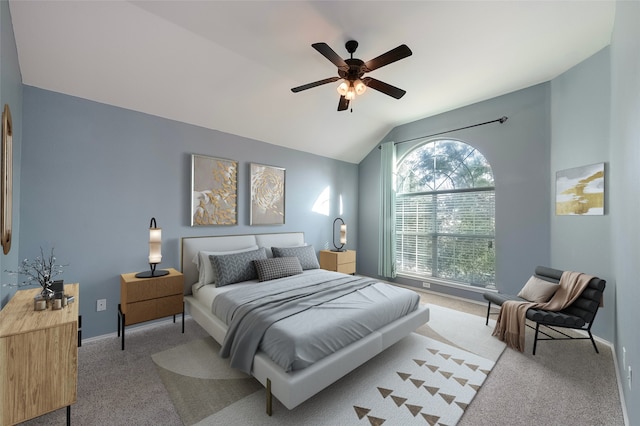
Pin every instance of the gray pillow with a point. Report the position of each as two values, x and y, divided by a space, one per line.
277 267
306 255
203 264
538 290
236 267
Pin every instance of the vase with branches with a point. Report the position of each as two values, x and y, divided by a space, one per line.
42 270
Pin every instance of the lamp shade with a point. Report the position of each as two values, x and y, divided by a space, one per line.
360 87
155 235
155 251
155 245
350 88
343 234
343 87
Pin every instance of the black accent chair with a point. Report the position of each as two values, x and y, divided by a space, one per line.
579 315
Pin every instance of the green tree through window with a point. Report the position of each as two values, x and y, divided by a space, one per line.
445 214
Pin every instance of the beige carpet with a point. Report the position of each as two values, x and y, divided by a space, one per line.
420 380
565 383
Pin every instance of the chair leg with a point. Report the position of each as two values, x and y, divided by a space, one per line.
488 312
535 339
593 341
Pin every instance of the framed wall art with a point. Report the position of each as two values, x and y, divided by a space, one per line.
6 186
214 191
267 195
580 191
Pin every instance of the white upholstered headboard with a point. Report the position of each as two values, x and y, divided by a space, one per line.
190 246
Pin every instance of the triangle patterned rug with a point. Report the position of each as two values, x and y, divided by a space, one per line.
419 380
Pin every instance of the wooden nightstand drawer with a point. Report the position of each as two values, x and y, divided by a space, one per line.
133 289
170 286
170 305
339 261
137 291
139 311
347 268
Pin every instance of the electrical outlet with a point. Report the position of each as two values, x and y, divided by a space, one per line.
101 305
426 285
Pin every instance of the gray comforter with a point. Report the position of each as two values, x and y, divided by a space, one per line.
299 320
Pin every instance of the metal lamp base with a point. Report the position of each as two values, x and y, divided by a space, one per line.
152 274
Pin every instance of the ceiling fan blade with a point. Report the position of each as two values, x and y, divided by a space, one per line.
343 104
331 55
314 84
393 55
383 87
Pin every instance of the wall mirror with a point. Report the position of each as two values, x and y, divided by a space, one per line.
7 180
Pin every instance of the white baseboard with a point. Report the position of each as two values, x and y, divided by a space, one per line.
620 385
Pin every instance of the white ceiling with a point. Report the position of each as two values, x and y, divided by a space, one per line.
230 65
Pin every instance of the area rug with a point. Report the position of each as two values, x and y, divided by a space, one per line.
420 380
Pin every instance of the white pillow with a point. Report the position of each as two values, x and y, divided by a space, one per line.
201 259
538 290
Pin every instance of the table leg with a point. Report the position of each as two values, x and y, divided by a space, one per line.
121 320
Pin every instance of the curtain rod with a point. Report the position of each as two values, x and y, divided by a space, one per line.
501 120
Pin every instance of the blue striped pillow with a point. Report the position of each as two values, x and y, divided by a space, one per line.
236 267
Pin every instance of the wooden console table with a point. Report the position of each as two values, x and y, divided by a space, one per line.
38 357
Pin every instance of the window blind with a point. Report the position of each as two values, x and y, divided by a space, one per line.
449 235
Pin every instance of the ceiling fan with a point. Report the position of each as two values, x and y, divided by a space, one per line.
352 70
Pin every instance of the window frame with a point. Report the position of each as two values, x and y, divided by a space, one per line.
435 233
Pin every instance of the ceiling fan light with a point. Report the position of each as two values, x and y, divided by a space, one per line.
360 87
351 93
343 88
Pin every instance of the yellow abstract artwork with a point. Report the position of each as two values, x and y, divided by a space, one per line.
580 191
214 188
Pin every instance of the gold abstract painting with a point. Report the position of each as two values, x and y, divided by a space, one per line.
214 188
267 195
580 191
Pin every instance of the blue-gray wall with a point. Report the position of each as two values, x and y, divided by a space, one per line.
587 115
11 94
580 105
93 175
518 152
624 173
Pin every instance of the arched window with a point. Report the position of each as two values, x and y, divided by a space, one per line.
445 214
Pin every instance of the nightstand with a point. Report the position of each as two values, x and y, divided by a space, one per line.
339 261
146 299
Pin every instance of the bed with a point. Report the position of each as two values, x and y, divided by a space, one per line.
296 374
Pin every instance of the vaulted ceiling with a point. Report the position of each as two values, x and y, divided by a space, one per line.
230 65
